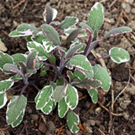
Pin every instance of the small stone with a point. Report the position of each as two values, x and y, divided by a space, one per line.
133 10
132 25
98 110
126 115
130 89
51 126
3 48
87 127
92 122
34 117
68 132
126 7
42 127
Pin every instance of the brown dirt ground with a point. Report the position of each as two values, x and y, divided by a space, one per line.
95 119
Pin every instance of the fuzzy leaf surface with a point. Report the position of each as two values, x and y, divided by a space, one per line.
101 74
80 61
49 107
24 30
59 93
119 55
5 85
73 50
62 108
117 31
3 99
12 69
18 57
5 58
48 14
96 16
31 60
94 95
51 34
32 46
72 122
71 97
87 27
48 46
69 21
43 97
15 110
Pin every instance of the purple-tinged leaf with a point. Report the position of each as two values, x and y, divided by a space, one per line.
59 93
22 67
31 60
55 24
3 99
69 21
61 52
87 27
12 69
24 30
19 57
5 85
96 16
51 34
5 58
15 110
90 83
117 31
73 50
48 14
74 34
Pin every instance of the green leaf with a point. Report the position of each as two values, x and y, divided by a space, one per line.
69 21
73 50
48 14
59 93
15 110
81 74
24 30
70 76
51 34
74 35
5 58
101 74
31 60
72 122
119 55
94 95
90 83
5 85
39 37
10 68
49 107
3 99
18 57
34 46
87 27
62 108
96 16
117 31
43 97
48 46
71 97
80 61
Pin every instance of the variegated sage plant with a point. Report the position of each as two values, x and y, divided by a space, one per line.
69 66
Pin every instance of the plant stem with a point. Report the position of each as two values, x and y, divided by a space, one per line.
88 45
49 65
35 86
12 88
102 57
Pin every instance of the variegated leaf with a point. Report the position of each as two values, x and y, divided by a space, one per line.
3 99
15 110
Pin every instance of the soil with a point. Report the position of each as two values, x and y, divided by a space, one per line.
99 119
